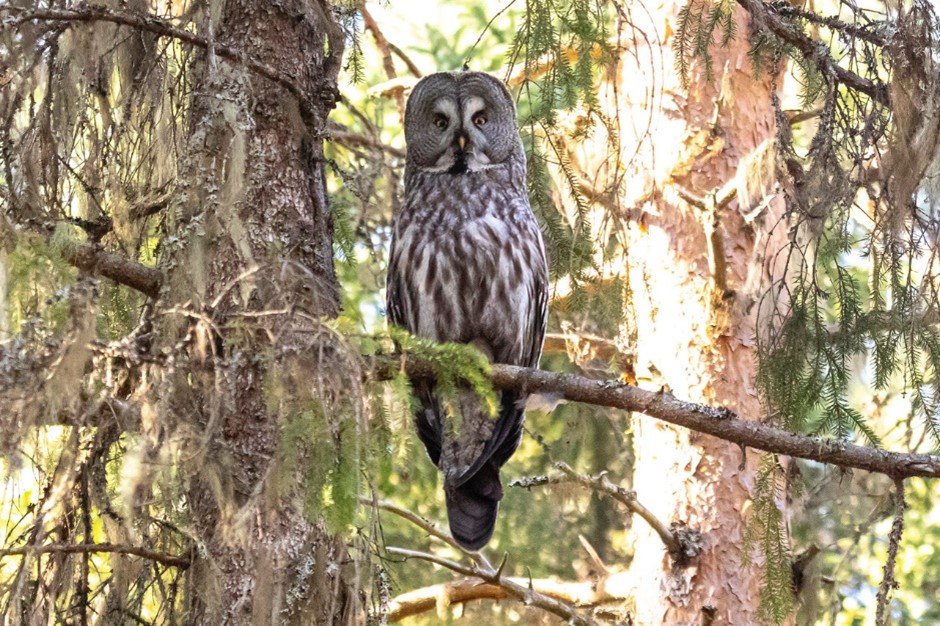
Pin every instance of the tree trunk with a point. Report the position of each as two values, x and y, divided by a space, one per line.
693 275
255 236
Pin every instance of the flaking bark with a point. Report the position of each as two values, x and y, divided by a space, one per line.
693 269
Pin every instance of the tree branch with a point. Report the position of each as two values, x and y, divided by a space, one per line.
92 259
150 206
181 562
817 51
587 594
412 68
559 598
420 522
513 587
382 44
719 422
576 344
343 136
601 484
888 581
834 23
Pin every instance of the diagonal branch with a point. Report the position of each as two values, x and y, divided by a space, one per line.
412 68
150 206
813 50
719 422
417 520
386 47
601 484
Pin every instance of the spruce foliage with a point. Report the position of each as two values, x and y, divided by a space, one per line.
860 281
767 532
556 56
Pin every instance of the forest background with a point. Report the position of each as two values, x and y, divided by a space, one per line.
205 419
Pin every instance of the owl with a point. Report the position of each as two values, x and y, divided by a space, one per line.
467 265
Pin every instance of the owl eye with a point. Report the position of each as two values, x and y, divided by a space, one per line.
440 121
479 119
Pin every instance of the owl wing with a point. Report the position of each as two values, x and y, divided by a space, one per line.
518 310
402 302
394 287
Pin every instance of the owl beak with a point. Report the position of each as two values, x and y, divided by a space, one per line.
461 141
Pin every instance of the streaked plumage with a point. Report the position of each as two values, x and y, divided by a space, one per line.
467 265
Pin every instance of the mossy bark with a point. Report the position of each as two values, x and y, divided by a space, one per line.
249 233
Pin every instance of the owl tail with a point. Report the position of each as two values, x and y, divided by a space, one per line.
471 507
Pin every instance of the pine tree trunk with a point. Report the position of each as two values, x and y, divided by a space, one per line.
694 275
255 234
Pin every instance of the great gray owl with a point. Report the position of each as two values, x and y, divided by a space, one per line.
468 265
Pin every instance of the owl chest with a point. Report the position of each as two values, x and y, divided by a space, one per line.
464 255
459 273
474 225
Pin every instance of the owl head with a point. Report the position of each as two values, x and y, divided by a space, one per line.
458 122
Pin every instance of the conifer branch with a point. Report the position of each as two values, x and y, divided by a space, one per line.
518 588
719 422
120 269
158 26
601 484
816 51
834 23
181 562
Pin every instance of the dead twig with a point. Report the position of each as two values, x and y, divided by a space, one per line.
89 548
425 525
515 588
888 582
601 484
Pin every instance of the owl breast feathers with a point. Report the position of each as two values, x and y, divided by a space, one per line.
467 265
